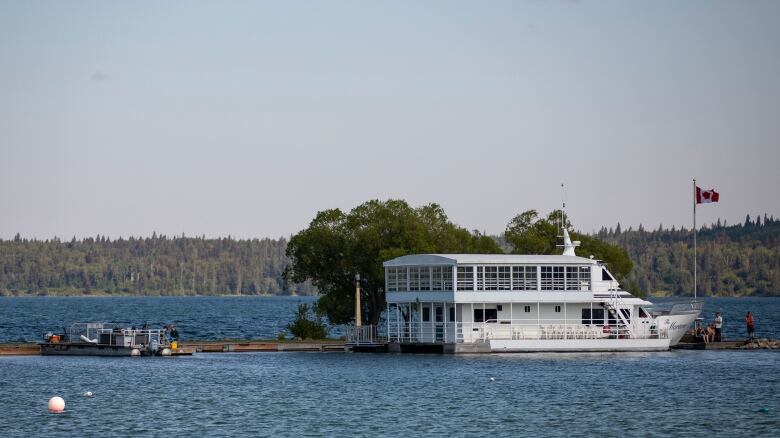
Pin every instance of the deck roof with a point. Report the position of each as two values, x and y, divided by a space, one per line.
486 259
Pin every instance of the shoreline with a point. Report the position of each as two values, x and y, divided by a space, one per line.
336 345
127 295
105 295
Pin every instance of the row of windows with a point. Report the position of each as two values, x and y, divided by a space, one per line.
504 277
589 316
419 278
565 278
488 278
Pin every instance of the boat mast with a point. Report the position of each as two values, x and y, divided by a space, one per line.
563 208
568 246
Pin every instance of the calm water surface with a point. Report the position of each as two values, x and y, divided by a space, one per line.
681 393
697 393
27 318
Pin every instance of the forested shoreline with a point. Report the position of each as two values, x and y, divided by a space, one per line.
735 260
157 265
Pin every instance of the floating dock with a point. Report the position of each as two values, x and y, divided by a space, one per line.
20 349
190 347
260 346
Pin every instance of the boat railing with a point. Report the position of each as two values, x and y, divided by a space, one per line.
677 307
504 329
115 334
364 334
686 308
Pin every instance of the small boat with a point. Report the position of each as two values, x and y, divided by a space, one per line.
109 339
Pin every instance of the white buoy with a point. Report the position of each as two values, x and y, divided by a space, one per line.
135 353
492 379
88 394
56 405
166 352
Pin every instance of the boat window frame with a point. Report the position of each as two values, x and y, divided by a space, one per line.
465 278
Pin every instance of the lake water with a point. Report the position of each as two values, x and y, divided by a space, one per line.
680 393
211 318
25 319
725 393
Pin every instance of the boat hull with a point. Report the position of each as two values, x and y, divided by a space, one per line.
578 345
79 349
677 325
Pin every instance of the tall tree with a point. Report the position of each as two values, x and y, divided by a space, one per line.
527 233
338 245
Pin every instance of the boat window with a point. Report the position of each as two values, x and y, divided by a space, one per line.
557 309
642 313
482 315
504 278
465 278
392 282
491 278
447 277
552 278
426 314
572 278
577 278
401 277
425 277
605 276
396 279
524 278
527 309
437 281
585 278
452 314
414 278
593 317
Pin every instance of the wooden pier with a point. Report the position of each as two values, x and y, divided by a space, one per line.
19 349
189 347
261 346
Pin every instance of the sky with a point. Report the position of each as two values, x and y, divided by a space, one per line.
246 118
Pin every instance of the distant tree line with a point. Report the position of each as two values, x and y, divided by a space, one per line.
733 260
157 265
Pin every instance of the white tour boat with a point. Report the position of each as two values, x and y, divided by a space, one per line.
461 303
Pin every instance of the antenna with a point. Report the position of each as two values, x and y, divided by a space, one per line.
563 206
568 246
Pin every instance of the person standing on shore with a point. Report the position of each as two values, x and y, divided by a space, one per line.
751 328
718 326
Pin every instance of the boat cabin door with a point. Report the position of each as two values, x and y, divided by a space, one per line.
438 315
646 323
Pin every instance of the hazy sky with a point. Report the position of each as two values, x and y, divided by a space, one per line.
246 118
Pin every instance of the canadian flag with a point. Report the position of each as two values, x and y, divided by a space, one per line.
706 196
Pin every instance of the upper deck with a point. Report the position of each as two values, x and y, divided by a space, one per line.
494 277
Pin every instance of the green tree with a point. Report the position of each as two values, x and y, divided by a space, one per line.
338 245
527 233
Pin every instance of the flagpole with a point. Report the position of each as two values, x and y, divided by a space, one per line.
694 240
